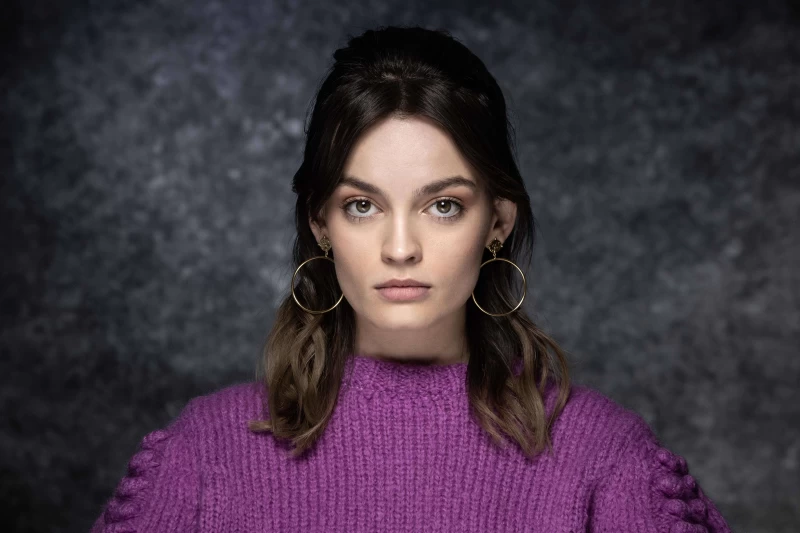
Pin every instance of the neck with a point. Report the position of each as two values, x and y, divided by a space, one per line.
441 341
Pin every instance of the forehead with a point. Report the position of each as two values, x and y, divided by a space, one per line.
411 150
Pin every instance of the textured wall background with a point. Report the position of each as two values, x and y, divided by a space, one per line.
146 161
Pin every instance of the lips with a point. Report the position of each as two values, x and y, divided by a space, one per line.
400 294
401 283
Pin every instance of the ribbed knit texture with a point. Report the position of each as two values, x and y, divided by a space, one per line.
402 453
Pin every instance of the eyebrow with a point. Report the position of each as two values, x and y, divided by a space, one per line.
431 188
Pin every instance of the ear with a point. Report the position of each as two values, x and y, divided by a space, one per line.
318 226
503 220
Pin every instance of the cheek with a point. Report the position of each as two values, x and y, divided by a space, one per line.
457 268
352 269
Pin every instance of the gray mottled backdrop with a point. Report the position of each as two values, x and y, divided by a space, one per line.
146 158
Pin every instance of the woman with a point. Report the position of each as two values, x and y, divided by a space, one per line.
403 388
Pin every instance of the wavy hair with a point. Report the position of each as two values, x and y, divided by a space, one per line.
404 71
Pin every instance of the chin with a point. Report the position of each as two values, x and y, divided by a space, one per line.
407 318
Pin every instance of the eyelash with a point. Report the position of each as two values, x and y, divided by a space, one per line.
444 220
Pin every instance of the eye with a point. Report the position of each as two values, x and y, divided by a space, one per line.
448 207
443 209
361 207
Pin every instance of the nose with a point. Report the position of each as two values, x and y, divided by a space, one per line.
401 246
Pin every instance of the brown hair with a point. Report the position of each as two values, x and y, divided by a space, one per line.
406 71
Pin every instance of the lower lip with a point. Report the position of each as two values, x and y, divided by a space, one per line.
403 294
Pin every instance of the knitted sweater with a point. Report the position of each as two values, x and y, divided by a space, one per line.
402 453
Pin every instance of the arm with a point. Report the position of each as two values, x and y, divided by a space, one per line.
159 492
649 490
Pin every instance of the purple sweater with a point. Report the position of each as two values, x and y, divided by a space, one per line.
402 453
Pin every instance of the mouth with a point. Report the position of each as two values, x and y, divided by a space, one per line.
403 293
403 290
401 283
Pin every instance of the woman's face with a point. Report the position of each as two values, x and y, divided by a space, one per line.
389 219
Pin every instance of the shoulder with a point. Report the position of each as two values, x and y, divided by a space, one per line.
593 428
218 421
231 405
166 472
237 396
589 409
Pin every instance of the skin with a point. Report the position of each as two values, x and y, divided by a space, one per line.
396 235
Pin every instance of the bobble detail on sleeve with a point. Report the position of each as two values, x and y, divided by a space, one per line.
158 491
125 504
649 489
680 496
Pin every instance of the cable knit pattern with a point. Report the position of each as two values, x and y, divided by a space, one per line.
402 452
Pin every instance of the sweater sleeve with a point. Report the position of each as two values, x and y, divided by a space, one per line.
159 492
650 490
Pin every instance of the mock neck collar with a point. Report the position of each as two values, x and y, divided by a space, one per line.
372 376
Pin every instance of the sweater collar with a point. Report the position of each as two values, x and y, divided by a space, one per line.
370 375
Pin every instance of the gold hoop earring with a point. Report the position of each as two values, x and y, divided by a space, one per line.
325 244
493 247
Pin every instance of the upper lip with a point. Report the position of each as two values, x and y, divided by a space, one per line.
408 282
